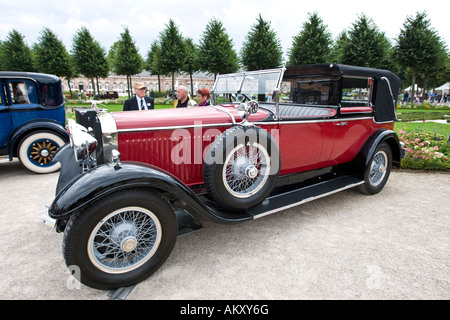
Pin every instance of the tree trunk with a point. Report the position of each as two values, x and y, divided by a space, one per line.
173 85
98 89
192 86
70 89
93 86
159 85
413 80
129 86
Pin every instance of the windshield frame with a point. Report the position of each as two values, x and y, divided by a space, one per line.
234 86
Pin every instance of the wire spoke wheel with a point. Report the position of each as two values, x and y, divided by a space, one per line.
246 170
378 168
124 240
120 239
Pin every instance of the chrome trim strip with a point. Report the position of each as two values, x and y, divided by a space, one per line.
307 200
256 123
175 127
314 121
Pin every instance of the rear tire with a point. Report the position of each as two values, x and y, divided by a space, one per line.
121 239
378 170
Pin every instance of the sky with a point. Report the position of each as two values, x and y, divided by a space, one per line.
146 19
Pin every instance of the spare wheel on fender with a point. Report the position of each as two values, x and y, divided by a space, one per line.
241 167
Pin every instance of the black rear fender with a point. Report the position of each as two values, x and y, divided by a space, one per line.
362 159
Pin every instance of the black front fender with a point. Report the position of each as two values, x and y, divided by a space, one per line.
108 178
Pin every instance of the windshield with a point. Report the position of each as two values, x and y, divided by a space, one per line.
252 85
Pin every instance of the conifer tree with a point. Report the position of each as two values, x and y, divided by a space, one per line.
191 60
89 57
216 50
125 58
15 55
366 45
172 51
261 49
312 44
51 56
419 48
152 63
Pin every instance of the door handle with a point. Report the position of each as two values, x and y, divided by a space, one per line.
341 124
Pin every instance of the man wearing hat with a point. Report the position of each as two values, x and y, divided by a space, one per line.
141 101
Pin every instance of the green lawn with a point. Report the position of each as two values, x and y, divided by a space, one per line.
110 107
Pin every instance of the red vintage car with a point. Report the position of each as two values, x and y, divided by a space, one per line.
130 182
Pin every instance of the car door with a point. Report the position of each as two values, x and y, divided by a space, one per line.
24 103
302 145
355 121
5 120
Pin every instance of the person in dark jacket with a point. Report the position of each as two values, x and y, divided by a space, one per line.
140 101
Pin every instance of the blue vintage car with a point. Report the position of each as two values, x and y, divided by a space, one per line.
32 119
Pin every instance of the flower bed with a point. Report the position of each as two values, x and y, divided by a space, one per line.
428 150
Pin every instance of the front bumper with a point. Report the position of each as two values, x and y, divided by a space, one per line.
46 219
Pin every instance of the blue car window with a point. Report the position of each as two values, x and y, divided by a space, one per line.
22 92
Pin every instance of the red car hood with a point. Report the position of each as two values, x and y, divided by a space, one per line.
180 117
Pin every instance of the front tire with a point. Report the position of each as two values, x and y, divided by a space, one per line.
121 239
37 149
378 170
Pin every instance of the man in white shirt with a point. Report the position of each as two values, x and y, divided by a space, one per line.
140 101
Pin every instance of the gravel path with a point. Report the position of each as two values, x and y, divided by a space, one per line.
394 245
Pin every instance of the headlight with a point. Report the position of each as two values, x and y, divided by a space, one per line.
82 143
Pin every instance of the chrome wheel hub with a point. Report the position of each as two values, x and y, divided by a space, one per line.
129 244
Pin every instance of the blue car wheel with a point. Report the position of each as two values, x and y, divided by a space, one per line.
36 152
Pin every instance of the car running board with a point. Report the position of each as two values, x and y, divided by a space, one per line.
292 198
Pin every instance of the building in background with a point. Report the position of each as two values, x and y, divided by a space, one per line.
119 83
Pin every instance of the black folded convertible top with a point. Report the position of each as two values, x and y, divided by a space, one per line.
387 84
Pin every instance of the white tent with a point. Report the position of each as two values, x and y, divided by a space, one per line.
445 88
415 89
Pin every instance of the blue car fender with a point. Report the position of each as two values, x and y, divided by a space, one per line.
33 126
